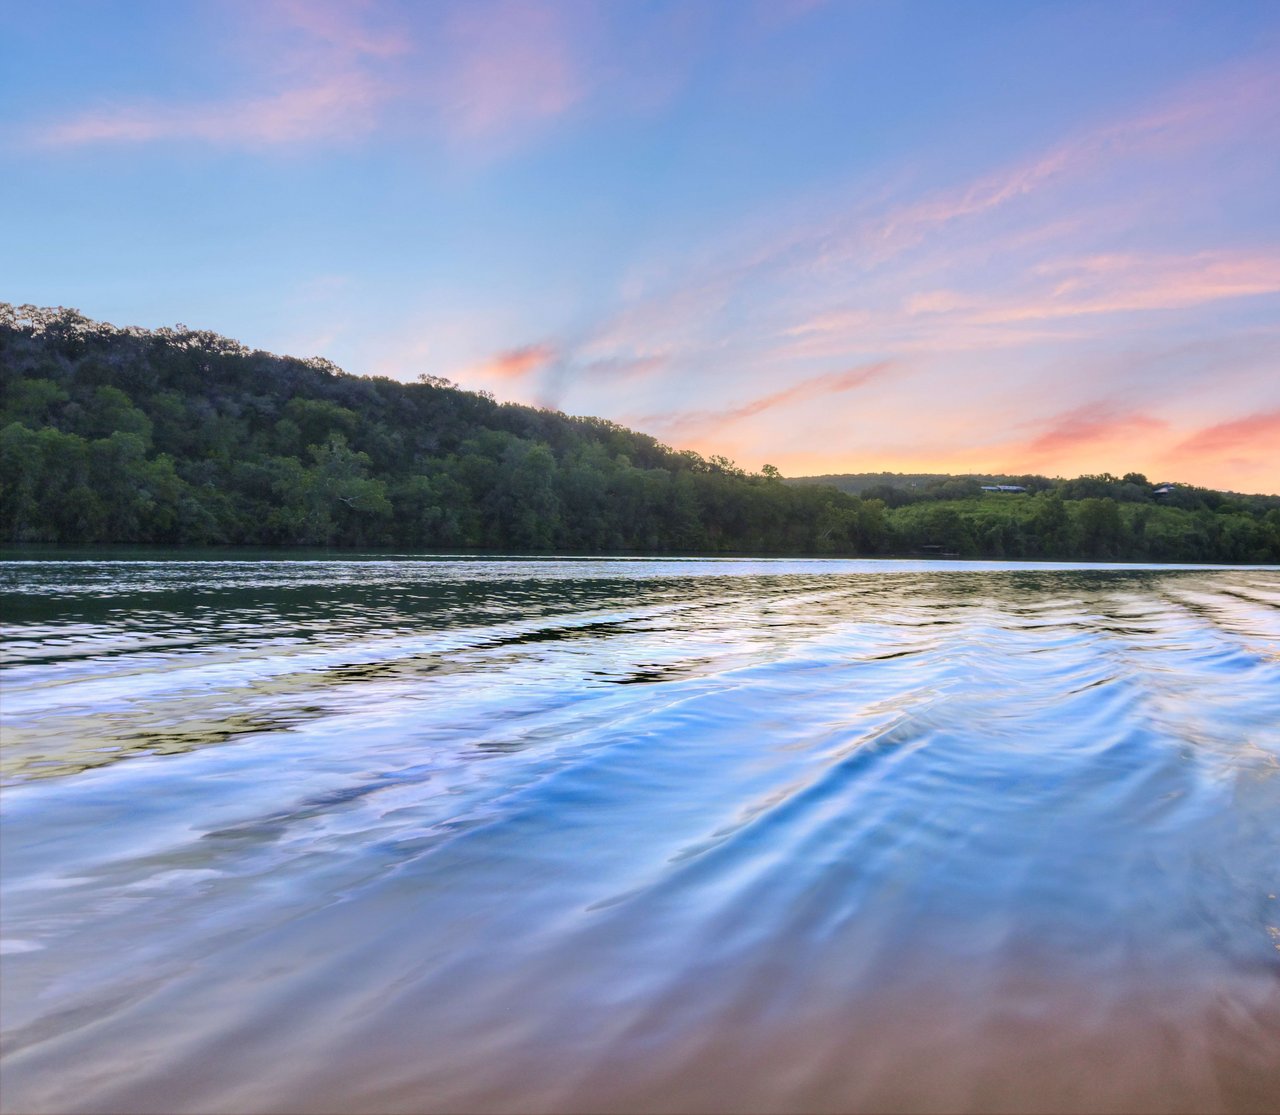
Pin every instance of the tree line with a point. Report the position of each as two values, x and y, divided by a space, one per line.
1089 517
182 436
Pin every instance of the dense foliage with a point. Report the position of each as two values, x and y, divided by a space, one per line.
183 436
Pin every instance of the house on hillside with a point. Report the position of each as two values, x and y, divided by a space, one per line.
1003 488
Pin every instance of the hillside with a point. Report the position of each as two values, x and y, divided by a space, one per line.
181 436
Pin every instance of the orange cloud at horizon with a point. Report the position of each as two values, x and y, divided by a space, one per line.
1244 447
1231 435
1235 455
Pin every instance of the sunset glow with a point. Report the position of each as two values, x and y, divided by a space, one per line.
833 237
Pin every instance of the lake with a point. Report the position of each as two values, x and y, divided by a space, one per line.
399 834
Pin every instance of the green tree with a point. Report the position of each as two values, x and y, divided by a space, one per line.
1101 528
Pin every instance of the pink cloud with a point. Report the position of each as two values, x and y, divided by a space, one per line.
948 320
1085 427
517 363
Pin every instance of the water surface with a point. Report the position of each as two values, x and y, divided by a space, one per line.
682 835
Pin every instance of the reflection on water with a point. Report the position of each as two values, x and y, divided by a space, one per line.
571 835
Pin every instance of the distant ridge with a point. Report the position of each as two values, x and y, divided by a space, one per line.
858 482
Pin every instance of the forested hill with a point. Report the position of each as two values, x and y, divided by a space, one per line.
182 436
177 435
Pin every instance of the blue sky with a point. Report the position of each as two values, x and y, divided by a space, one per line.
830 236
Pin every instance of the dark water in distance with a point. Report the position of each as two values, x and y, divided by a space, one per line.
598 835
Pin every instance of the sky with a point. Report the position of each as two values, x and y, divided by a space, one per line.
830 236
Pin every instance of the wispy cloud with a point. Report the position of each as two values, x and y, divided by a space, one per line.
344 26
505 66
321 76
1047 302
1125 284
483 70
480 75
705 422
856 275
339 108
1206 110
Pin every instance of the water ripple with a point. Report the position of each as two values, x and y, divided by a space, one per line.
581 835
